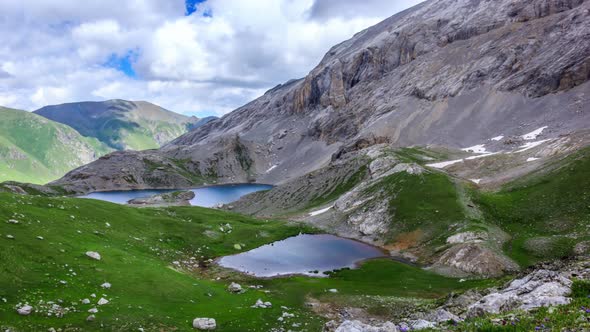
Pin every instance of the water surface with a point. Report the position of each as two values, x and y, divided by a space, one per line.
302 254
205 196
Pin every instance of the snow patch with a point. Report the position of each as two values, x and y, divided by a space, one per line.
271 168
476 181
497 138
533 134
318 212
531 145
445 163
481 148
532 159
452 162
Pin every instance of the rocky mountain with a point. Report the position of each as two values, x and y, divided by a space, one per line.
121 124
37 150
453 73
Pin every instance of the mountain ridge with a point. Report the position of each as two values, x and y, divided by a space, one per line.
448 73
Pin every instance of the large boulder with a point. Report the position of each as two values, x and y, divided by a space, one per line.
473 258
204 324
538 289
357 326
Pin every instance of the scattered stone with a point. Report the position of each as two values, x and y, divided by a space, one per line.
103 301
25 310
262 305
13 221
333 290
237 246
90 318
93 310
93 255
204 324
106 285
40 238
86 301
9 236
234 288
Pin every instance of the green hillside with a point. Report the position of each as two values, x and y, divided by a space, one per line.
120 124
138 249
36 150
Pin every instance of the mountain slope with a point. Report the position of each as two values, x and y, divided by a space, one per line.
454 73
121 124
34 149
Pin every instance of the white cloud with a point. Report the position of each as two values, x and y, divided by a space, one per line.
55 51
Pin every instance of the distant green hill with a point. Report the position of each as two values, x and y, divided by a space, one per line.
121 124
37 150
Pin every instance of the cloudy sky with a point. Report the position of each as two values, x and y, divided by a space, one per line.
190 56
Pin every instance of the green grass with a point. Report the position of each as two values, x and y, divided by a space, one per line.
546 206
36 150
147 291
428 202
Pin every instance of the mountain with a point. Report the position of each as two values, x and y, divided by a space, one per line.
37 150
121 124
451 73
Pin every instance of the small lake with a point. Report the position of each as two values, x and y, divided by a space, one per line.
205 196
302 254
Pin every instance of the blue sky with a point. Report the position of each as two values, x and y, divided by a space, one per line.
207 62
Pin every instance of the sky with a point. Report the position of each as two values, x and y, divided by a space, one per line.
196 57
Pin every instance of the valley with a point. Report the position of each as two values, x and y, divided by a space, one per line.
430 173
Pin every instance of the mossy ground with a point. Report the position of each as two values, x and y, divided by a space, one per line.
138 248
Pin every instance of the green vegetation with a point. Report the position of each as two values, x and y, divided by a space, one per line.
121 124
546 213
139 248
339 188
36 150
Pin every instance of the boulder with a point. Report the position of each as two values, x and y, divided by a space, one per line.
263 305
422 324
25 310
234 288
93 255
358 326
538 289
204 324
103 301
473 259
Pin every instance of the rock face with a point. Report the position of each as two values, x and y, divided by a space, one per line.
204 324
538 289
474 258
177 198
449 72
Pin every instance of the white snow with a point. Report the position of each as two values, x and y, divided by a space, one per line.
451 162
497 138
483 155
271 168
531 145
532 159
318 212
481 148
533 134
476 181
445 163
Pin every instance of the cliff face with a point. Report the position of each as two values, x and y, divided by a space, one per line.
448 72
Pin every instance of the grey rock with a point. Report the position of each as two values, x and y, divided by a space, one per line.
93 254
25 310
234 288
539 289
358 326
473 259
204 324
